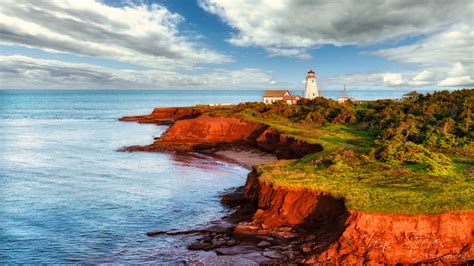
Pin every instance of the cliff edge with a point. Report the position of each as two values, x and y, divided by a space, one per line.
336 234
322 228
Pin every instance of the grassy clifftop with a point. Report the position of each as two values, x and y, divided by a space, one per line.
368 184
407 157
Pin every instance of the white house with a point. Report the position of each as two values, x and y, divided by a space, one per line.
272 96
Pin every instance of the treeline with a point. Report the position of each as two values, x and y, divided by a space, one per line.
406 131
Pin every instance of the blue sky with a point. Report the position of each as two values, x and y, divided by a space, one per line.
228 44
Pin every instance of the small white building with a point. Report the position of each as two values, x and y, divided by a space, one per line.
272 96
343 98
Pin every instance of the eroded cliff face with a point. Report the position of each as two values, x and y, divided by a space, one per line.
206 129
391 238
338 235
204 132
283 146
213 133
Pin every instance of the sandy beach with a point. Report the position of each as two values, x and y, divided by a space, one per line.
246 157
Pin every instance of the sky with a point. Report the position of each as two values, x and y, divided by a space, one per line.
236 44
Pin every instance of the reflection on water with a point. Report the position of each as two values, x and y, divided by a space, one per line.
67 196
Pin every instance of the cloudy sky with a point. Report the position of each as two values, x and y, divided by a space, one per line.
235 44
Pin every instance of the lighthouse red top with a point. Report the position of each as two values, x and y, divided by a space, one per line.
310 71
311 74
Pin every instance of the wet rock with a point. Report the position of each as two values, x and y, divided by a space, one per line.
198 246
279 248
236 250
266 238
155 233
273 255
218 242
264 244
256 256
291 256
231 242
234 199
223 260
221 227
175 232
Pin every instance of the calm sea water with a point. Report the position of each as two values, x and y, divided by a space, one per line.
67 196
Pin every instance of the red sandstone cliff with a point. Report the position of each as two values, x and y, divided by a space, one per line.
353 237
164 115
206 129
206 132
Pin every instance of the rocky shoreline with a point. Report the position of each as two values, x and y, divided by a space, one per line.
280 225
233 241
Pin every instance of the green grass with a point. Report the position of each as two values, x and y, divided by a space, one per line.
330 137
367 185
378 187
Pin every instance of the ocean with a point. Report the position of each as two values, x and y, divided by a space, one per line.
67 195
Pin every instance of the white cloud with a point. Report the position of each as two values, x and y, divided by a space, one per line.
22 72
454 46
393 79
289 24
424 76
138 34
357 79
289 52
272 82
457 81
446 57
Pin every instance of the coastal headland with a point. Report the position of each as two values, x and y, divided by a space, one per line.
305 208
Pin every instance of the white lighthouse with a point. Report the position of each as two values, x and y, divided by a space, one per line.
311 91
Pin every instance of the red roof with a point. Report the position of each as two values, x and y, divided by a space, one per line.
412 94
276 93
310 71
